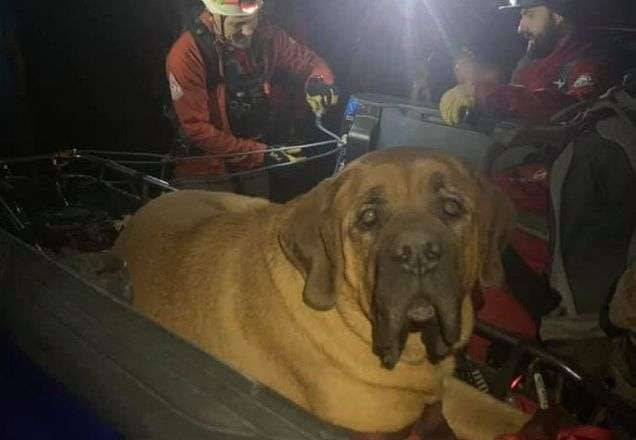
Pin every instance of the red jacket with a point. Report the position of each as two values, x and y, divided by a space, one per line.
573 71
202 112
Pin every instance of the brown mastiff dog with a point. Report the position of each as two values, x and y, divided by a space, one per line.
348 300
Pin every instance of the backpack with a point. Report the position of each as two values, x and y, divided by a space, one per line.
592 207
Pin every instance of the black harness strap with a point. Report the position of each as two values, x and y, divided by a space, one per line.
205 41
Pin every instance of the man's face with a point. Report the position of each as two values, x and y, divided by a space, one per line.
540 26
238 31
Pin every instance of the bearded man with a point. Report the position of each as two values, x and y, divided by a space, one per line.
562 65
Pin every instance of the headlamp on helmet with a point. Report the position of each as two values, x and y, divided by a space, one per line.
233 8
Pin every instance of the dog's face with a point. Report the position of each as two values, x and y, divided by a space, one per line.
404 235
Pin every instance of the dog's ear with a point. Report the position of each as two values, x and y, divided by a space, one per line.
497 219
309 238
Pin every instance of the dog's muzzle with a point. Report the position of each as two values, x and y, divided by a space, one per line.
417 290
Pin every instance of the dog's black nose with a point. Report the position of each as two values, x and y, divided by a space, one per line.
417 252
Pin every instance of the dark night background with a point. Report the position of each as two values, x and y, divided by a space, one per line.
90 73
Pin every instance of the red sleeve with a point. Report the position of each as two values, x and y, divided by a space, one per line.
587 78
533 106
297 59
186 76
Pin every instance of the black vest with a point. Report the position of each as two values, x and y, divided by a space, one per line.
247 99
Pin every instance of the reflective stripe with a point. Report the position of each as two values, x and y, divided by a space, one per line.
558 277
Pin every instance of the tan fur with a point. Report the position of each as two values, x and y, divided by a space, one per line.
472 414
210 268
622 309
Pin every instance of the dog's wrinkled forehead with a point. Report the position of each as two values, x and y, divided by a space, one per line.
406 173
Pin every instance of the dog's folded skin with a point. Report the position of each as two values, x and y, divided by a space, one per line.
311 297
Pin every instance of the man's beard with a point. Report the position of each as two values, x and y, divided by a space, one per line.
540 46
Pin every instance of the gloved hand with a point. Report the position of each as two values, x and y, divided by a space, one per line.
456 102
249 161
320 95
284 156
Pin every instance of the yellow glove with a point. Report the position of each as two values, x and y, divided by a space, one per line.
320 95
293 155
281 157
456 102
296 152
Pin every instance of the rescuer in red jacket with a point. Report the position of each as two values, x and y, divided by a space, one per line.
561 66
220 74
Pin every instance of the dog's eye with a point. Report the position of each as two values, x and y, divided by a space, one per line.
368 217
452 208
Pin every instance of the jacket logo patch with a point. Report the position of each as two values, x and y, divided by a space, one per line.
559 83
175 89
584 80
